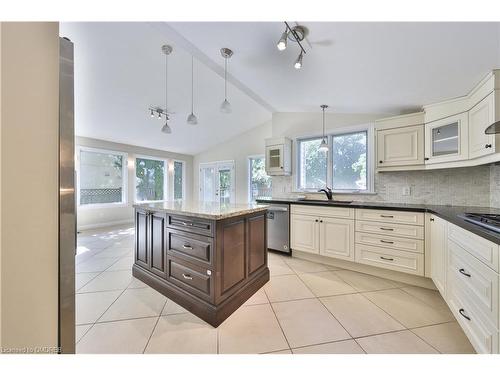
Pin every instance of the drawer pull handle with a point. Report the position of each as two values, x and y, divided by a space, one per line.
389 259
186 224
388 216
187 247
187 277
385 241
462 271
391 229
462 312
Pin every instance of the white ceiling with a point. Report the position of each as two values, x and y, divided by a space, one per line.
354 67
120 72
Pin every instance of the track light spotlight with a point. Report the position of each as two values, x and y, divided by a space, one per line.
282 42
298 62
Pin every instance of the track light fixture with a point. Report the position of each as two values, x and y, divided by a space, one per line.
162 113
296 34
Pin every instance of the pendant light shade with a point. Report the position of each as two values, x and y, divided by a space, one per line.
225 106
192 119
166 128
324 144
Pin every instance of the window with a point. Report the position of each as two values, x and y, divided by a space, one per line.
312 165
259 182
345 167
178 179
102 177
349 161
150 179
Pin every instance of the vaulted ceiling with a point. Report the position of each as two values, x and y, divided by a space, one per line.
354 67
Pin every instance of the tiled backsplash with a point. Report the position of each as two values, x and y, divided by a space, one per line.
473 186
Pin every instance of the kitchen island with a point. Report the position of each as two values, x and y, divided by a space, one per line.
206 256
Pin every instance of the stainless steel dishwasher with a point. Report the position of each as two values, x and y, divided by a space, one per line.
278 224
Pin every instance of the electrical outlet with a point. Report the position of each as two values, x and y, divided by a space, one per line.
406 191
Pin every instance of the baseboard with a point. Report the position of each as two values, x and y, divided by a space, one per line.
81 228
423 282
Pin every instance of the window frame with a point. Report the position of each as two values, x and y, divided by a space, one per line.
124 156
249 174
183 162
165 178
370 157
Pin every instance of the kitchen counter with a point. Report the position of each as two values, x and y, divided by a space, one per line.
448 213
206 210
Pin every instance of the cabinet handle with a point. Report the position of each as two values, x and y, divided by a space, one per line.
186 224
462 312
388 216
431 219
316 220
391 229
187 247
385 241
426 159
488 145
384 258
321 221
187 277
380 161
462 271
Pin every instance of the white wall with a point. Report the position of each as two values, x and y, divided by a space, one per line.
93 217
29 184
237 149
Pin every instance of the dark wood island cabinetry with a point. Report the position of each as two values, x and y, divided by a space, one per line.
207 257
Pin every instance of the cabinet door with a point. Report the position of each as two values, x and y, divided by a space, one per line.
274 158
336 238
157 249
400 146
304 233
438 251
481 116
142 238
446 140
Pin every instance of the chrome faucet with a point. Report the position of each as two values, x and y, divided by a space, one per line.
328 192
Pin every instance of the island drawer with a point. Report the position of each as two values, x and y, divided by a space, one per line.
397 230
193 279
193 247
191 224
389 216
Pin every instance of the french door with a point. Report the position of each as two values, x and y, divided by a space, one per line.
217 182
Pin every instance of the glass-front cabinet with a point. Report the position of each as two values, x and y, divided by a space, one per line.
278 156
446 139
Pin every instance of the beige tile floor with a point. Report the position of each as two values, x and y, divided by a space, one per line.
305 308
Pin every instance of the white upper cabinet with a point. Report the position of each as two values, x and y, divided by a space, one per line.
481 116
278 156
401 146
447 139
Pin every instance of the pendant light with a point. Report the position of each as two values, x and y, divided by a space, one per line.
225 107
324 145
167 50
191 119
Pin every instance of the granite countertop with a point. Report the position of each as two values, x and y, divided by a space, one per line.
206 210
448 213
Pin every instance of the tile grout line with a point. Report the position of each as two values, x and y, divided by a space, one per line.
154 327
278 321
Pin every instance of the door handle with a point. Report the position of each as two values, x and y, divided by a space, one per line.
462 271
187 277
462 312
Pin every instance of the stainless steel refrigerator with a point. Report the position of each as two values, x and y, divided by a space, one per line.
67 206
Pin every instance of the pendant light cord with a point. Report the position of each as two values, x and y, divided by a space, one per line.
323 123
166 86
192 84
225 78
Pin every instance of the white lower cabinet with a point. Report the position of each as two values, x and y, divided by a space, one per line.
336 238
304 233
438 241
321 234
